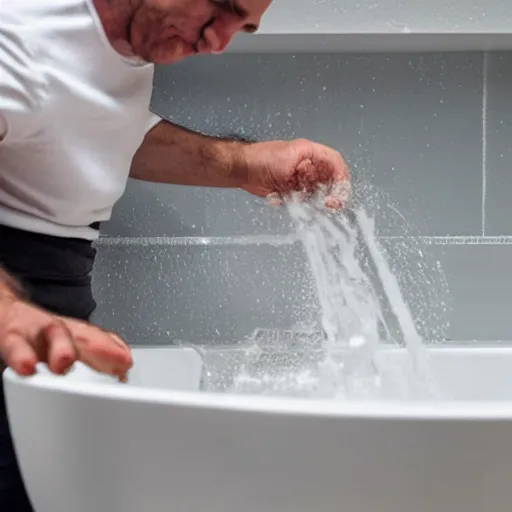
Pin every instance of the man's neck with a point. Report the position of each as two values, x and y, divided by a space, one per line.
116 17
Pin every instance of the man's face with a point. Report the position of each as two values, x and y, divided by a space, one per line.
166 31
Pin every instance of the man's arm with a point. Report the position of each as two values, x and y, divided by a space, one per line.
271 169
175 155
10 289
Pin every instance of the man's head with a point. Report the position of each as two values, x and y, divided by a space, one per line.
166 31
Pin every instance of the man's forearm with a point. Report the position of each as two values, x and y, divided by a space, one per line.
170 154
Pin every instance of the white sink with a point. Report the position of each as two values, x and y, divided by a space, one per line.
86 443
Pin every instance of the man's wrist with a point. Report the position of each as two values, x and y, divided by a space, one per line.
237 162
10 288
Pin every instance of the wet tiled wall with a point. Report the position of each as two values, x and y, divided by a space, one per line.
431 132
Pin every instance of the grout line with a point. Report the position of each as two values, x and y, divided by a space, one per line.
280 240
456 240
274 240
484 138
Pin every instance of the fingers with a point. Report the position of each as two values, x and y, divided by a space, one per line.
274 199
119 341
332 172
309 176
338 195
103 351
18 354
314 169
29 335
325 174
61 351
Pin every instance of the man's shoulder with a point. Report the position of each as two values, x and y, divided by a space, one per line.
23 21
18 64
21 82
24 10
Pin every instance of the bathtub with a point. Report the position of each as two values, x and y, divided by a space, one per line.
88 444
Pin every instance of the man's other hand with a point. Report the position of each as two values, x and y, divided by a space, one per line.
29 335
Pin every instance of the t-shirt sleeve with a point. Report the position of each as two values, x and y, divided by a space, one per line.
21 84
153 121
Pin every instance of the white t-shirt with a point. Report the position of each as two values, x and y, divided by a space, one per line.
73 114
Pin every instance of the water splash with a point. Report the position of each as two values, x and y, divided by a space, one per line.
360 294
352 319
419 377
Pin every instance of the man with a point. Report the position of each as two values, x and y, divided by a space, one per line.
75 86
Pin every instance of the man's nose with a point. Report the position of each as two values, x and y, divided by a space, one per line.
222 32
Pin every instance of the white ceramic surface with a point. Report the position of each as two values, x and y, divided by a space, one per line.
88 444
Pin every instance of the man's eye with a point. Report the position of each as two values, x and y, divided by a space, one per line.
232 6
221 3
224 4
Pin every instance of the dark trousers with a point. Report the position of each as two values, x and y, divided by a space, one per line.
56 273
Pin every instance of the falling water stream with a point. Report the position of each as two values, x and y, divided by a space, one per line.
342 359
352 318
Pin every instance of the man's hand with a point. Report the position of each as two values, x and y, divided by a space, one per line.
280 168
171 154
29 335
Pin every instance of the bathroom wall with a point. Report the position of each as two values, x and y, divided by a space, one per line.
431 132
388 16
